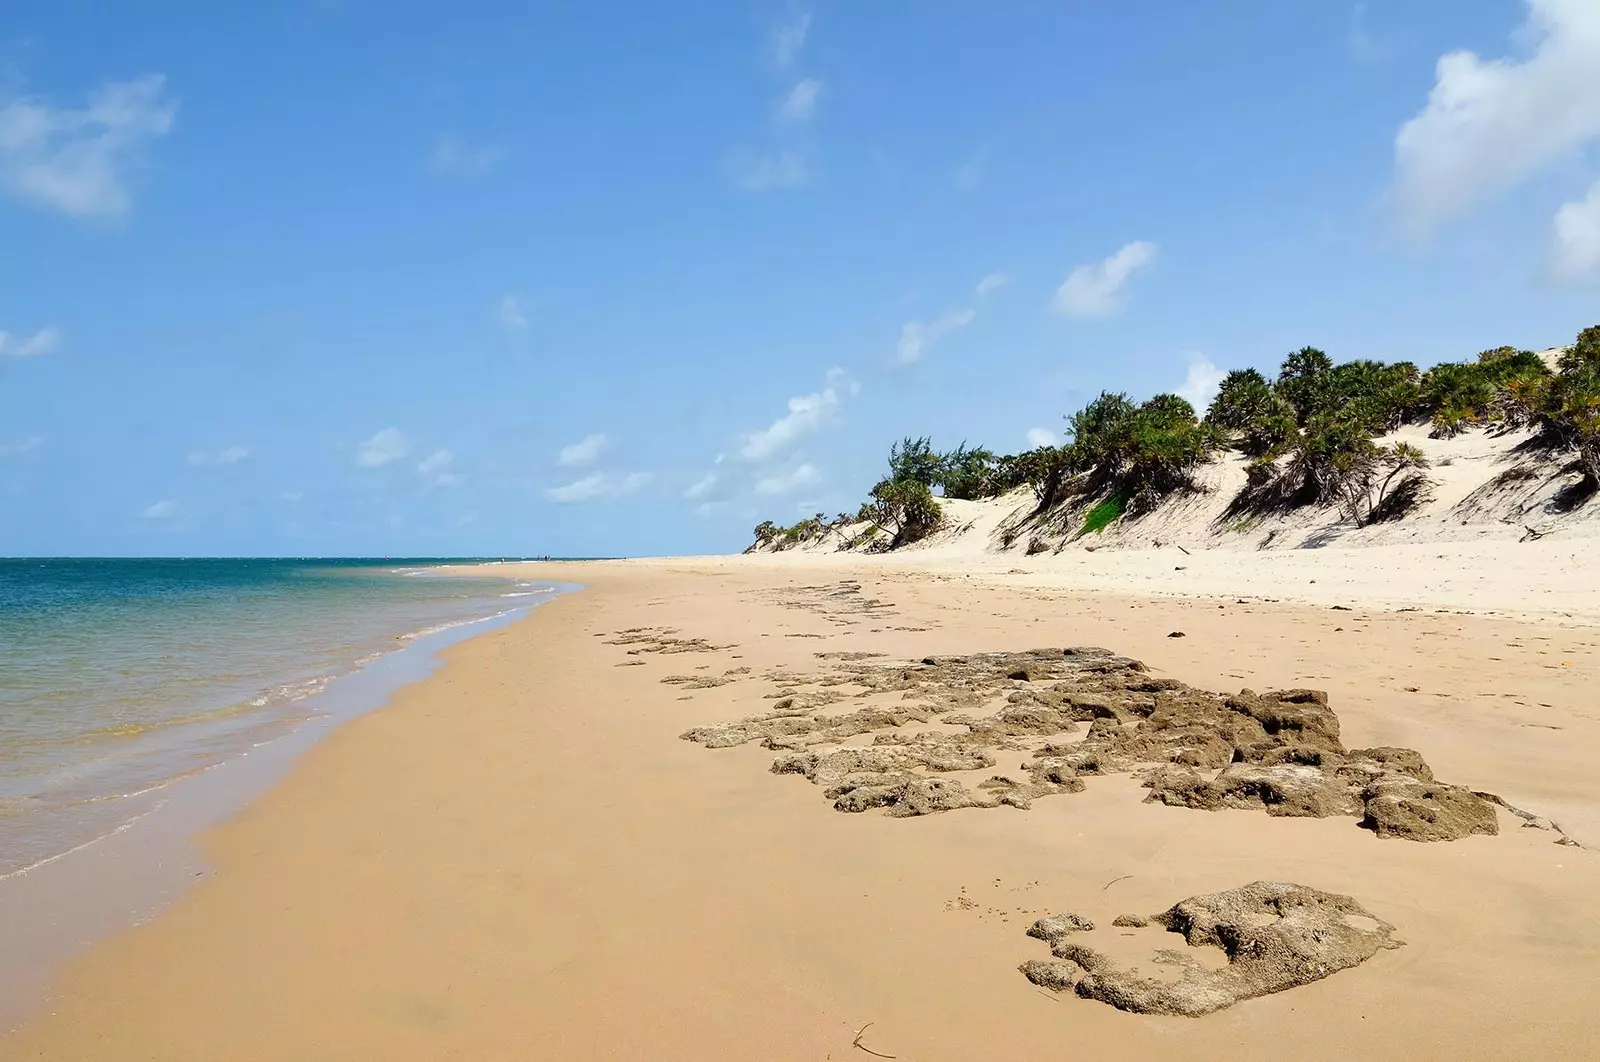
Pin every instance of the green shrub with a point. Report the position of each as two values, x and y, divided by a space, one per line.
1143 452
1504 386
1249 411
964 472
1569 406
1306 382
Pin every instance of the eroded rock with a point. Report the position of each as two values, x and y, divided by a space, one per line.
1275 936
1277 751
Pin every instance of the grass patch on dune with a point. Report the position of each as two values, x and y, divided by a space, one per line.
1104 514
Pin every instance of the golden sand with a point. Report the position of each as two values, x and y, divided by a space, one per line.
519 858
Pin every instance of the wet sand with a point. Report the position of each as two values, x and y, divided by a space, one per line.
520 858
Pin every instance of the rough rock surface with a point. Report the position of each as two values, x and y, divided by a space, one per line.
1275 935
1072 713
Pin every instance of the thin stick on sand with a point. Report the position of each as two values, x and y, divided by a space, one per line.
858 1044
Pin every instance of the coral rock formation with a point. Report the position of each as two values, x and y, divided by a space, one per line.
1275 936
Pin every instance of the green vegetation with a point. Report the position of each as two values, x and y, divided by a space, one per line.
1310 433
907 509
1501 387
1567 407
1104 514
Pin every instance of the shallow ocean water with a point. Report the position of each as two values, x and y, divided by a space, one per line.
120 677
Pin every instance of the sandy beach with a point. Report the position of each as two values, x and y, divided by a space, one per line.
519 857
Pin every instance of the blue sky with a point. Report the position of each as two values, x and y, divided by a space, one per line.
347 278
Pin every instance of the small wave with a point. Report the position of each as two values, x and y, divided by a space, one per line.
292 691
452 625
47 860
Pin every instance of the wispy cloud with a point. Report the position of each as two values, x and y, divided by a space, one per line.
801 101
787 482
291 496
21 446
161 510
41 342
386 446
1364 48
1100 289
1200 383
77 160
511 315
916 337
788 38
991 284
1038 437
436 469
1576 252
787 160
806 414
453 155
702 486
1490 124
769 171
231 455
599 485
585 451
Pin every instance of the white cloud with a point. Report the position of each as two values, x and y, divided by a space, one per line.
1098 290
1490 124
800 102
784 482
161 510
511 314
1200 384
1038 437
788 38
76 161
916 338
21 446
1577 239
590 486
437 461
585 451
436 469
453 155
386 446
41 342
991 284
781 169
291 495
598 485
806 414
702 486
232 455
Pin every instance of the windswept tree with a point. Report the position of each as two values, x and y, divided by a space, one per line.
907 509
914 461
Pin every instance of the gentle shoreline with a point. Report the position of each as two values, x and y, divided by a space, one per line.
518 856
60 906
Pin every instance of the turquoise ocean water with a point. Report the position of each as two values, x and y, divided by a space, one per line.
120 677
